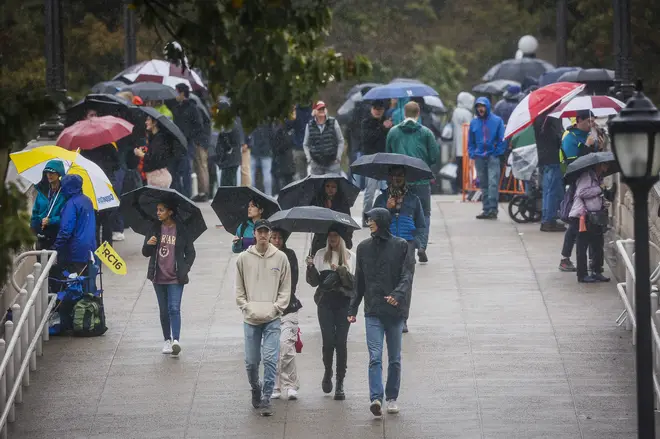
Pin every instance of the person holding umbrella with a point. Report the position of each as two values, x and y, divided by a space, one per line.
171 255
158 155
245 233
45 220
331 198
331 270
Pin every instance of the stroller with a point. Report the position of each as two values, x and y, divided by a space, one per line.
526 208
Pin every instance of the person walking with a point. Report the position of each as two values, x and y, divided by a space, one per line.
189 120
412 139
245 232
331 198
461 115
171 255
287 383
47 208
383 277
158 155
485 146
261 155
331 271
263 292
323 142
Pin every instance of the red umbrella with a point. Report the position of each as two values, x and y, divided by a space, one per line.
600 106
94 132
538 102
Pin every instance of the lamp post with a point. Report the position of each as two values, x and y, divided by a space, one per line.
635 135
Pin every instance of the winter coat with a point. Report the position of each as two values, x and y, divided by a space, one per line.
374 135
462 114
486 135
244 231
189 120
504 108
360 113
106 156
588 195
294 303
44 201
303 116
228 147
184 252
263 285
323 145
77 236
333 286
414 140
260 141
283 149
547 131
409 220
159 153
383 268
574 145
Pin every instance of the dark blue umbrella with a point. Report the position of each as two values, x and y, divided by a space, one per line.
553 75
400 90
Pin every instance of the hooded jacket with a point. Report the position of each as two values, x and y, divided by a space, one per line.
189 120
77 236
574 145
414 140
409 220
505 106
398 115
462 114
45 200
184 252
383 268
486 136
263 284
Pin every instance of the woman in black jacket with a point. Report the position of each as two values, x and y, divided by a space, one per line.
171 254
333 199
158 157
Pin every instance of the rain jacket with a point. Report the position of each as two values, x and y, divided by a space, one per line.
184 252
244 231
486 136
294 303
409 220
414 140
384 267
162 109
398 115
504 108
77 236
373 135
263 285
462 115
588 195
42 204
574 145
189 120
547 131
159 153
260 141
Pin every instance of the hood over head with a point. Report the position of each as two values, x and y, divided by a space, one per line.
72 185
410 126
383 219
482 101
52 166
269 253
224 103
465 100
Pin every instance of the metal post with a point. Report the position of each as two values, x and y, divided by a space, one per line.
644 356
38 312
25 342
9 333
616 38
18 357
130 43
562 32
30 335
29 284
54 40
3 391
45 335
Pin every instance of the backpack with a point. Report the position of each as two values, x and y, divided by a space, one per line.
567 203
89 317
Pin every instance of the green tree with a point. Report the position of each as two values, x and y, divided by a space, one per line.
439 68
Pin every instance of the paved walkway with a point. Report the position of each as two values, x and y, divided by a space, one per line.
502 345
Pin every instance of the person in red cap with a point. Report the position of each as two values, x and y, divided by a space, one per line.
137 100
323 143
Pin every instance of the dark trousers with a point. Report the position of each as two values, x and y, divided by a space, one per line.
457 185
104 226
423 192
228 176
334 331
592 239
181 177
118 185
570 237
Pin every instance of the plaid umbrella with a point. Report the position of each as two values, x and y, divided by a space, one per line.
164 72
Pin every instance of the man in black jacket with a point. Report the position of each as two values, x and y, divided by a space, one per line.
189 120
384 282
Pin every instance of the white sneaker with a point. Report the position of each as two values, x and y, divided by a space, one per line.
276 394
392 408
167 347
118 236
176 348
376 408
292 394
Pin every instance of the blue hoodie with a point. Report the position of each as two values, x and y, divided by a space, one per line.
486 136
398 115
45 200
77 235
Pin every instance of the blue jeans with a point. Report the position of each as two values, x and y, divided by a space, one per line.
359 180
266 165
181 176
553 192
118 185
169 304
423 192
262 341
371 185
391 330
489 170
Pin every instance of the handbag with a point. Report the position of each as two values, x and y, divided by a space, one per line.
600 218
299 342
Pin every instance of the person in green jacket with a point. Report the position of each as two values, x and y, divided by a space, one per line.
415 140
45 220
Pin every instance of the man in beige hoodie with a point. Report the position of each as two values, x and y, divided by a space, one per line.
263 290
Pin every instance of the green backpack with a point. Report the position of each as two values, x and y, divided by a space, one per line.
89 317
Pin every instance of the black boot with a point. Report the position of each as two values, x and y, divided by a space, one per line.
326 384
339 390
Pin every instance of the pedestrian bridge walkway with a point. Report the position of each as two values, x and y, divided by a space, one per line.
501 345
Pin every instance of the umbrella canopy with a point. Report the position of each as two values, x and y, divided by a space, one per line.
600 106
538 102
580 164
378 166
435 104
525 137
518 69
201 105
553 75
303 192
138 207
399 90
588 75
110 87
496 87
311 219
230 204
167 125
164 72
104 105
359 88
415 81
151 91
94 132
97 187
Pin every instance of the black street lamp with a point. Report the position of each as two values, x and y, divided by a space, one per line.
635 135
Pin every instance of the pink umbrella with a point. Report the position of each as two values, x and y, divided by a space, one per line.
94 132
600 106
538 102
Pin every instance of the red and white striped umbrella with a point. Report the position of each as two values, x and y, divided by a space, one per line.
162 72
538 102
600 106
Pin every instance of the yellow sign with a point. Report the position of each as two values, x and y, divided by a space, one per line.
111 258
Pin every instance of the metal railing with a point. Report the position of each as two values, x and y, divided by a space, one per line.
626 291
24 335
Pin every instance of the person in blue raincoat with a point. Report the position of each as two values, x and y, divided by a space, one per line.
398 114
45 220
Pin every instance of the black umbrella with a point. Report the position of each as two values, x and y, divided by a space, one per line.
166 125
311 219
518 69
138 208
231 204
577 167
110 87
201 105
588 75
104 105
377 166
496 87
303 192
151 91
362 88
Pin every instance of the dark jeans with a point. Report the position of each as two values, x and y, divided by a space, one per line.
592 239
570 237
334 331
457 185
118 185
181 175
104 226
169 304
553 191
228 176
423 192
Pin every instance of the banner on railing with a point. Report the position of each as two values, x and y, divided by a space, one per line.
111 258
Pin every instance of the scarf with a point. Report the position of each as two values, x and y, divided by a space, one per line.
397 194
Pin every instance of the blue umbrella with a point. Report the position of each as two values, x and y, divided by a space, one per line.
553 75
400 90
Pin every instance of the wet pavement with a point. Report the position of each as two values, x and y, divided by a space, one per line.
501 345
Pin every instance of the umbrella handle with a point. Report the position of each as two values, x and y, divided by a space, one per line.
53 204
